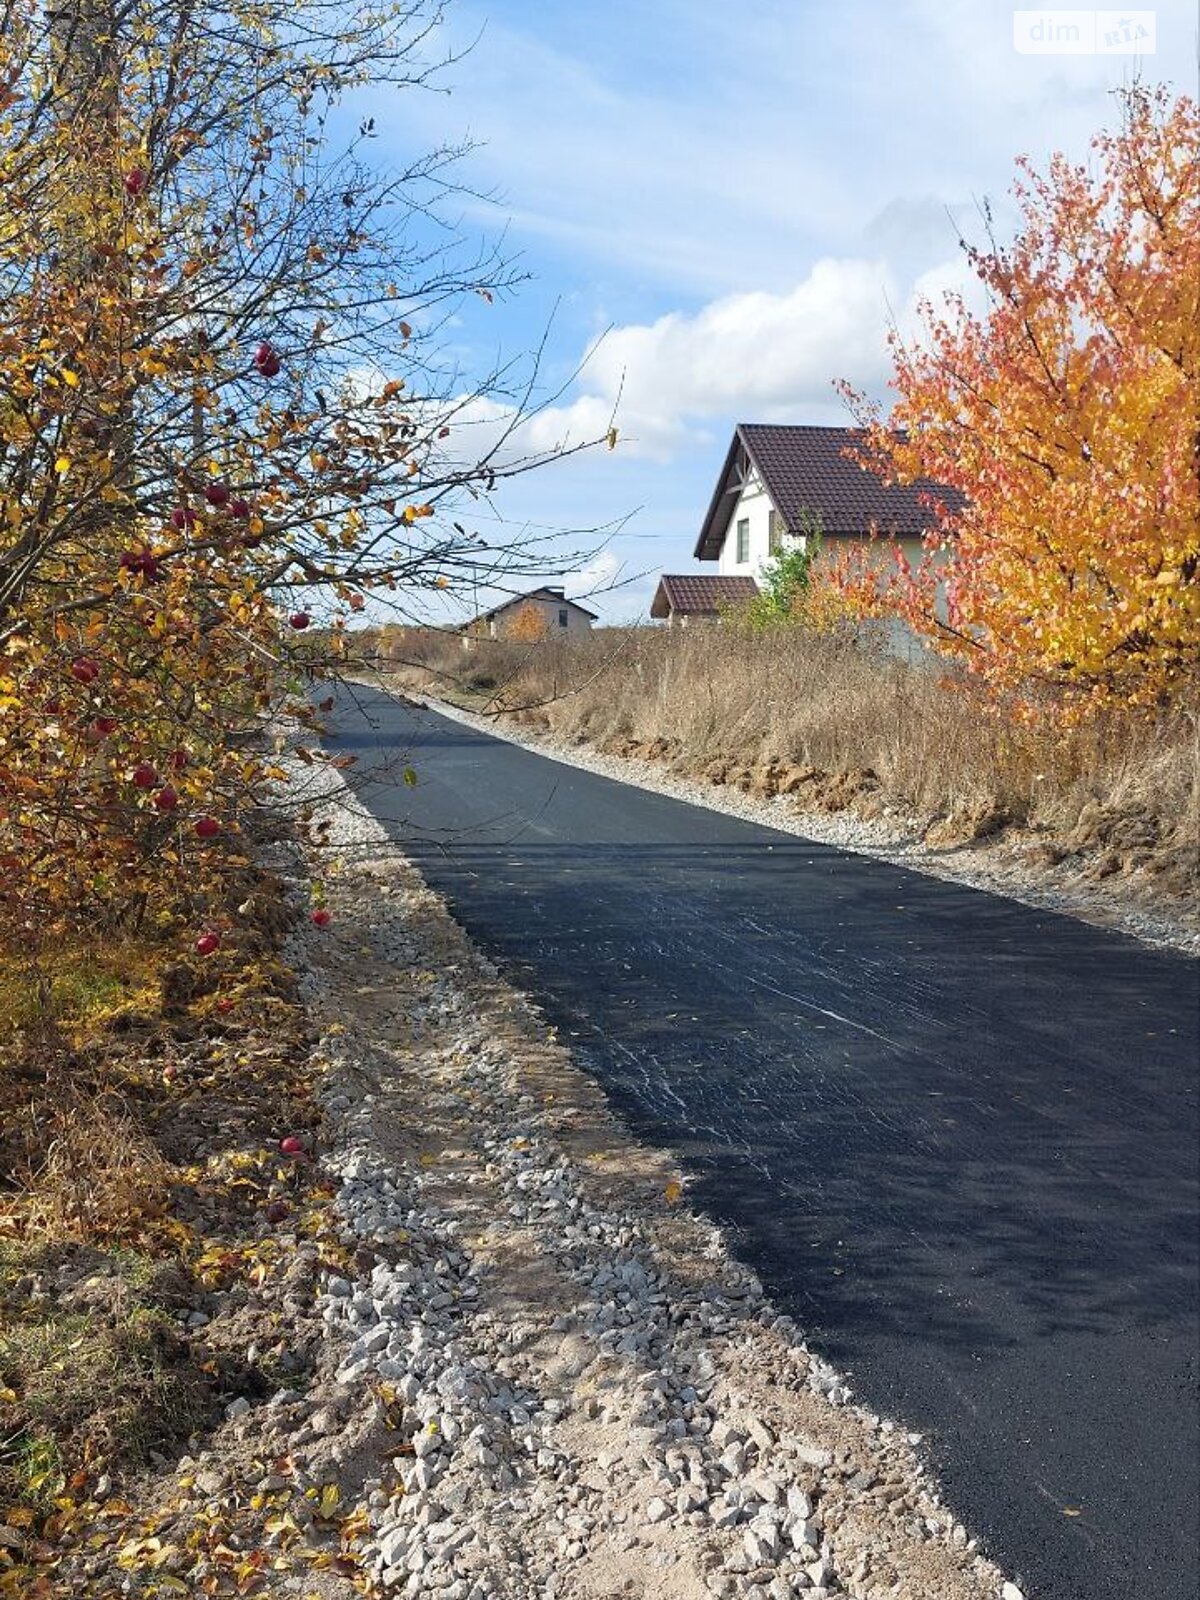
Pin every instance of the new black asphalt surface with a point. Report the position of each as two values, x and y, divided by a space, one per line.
957 1137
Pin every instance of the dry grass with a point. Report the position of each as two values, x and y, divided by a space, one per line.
100 1176
141 1101
840 722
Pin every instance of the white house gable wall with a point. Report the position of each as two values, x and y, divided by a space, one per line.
754 509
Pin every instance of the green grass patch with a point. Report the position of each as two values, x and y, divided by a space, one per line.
105 1387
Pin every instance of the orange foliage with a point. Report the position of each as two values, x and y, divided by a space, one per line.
526 625
1068 417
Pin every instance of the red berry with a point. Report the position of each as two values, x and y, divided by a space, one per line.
84 671
53 706
166 799
266 360
207 943
135 181
178 759
207 827
321 918
217 494
292 1146
299 620
240 509
140 561
183 517
103 726
145 776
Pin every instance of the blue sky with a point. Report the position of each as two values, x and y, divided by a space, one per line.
734 200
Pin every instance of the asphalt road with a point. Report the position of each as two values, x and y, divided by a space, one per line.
956 1137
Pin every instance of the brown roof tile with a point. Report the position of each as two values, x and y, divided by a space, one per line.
700 594
806 469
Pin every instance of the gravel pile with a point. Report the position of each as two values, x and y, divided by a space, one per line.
545 1374
888 839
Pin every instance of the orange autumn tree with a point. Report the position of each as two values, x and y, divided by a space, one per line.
1068 418
526 625
223 416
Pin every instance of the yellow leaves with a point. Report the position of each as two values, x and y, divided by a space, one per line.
610 438
673 1191
329 1500
70 378
149 1552
62 466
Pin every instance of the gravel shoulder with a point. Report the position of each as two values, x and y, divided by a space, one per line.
1107 903
545 1374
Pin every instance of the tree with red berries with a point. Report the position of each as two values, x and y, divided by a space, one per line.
222 404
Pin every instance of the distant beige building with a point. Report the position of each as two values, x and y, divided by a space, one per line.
543 613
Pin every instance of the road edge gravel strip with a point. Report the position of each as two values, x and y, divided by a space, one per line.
843 830
582 1391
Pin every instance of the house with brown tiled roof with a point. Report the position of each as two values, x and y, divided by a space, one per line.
776 485
699 596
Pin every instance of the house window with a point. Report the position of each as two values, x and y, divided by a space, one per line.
743 540
774 532
562 617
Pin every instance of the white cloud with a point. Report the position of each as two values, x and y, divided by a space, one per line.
600 574
754 356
